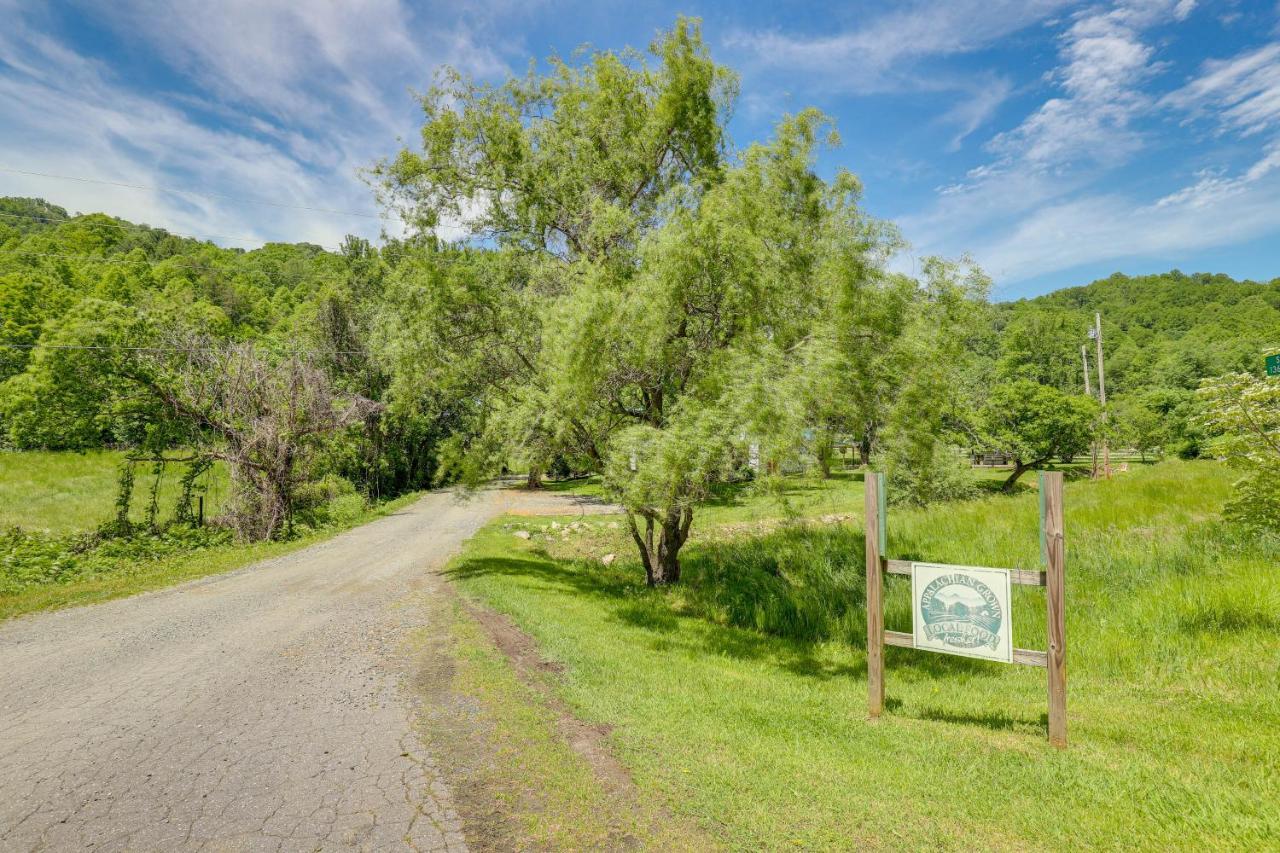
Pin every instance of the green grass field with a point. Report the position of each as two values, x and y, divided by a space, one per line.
739 699
60 492
52 499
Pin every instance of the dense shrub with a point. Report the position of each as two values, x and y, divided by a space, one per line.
1256 503
919 476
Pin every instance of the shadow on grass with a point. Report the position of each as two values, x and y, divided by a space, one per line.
649 615
773 597
727 494
1229 618
996 487
994 720
622 595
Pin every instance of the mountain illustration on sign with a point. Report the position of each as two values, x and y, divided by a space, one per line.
961 611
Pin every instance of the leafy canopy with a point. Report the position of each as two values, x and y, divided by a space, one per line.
1242 413
1037 423
654 280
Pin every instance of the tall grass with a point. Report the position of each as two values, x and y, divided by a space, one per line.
52 505
740 696
1146 558
66 492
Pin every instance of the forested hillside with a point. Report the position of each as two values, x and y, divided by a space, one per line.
86 300
89 280
1163 335
1161 331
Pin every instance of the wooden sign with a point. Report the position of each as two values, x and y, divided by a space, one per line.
962 610
1054 659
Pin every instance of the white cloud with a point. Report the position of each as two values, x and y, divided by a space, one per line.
1241 93
1035 208
870 57
890 52
1215 211
1105 62
971 114
296 61
290 101
1214 187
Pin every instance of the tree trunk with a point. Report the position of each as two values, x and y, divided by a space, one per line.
824 451
664 535
535 479
864 447
1020 468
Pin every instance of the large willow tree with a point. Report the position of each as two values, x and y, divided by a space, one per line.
632 289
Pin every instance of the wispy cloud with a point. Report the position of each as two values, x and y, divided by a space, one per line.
968 115
1105 63
1043 204
296 61
877 55
896 51
1241 93
1215 211
1215 187
283 102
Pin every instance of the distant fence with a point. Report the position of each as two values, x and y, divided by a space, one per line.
996 459
849 457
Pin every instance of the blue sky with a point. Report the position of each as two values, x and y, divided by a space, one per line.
1054 142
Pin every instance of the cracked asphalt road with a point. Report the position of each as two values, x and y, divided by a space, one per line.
256 710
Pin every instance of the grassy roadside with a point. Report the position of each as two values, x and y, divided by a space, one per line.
739 700
147 570
518 778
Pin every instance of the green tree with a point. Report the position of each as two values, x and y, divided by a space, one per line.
659 282
1242 415
1139 424
1043 344
266 416
1037 423
70 395
931 397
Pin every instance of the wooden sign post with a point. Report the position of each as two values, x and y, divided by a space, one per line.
1055 596
1053 554
875 603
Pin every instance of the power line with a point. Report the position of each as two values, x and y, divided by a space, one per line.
132 227
243 199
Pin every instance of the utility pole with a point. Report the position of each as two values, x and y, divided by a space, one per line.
1084 356
1102 394
1088 392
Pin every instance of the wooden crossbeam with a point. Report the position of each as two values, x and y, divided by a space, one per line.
1026 577
1027 657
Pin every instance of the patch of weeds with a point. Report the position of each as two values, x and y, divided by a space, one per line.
37 559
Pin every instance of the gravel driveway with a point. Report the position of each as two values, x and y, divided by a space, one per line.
256 710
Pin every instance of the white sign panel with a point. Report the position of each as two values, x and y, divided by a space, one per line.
962 610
